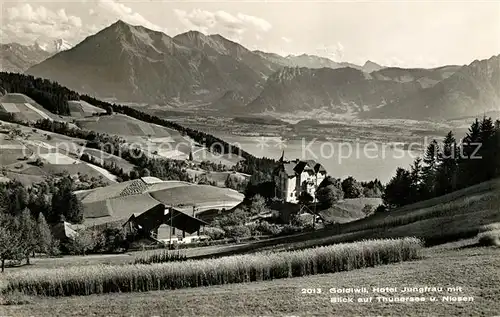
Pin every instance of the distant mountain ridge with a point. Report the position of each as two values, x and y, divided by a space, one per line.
17 58
313 61
338 91
134 64
439 93
471 90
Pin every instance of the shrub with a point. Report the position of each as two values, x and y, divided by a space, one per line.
329 195
214 233
490 227
380 209
162 256
489 238
98 279
268 229
236 232
367 209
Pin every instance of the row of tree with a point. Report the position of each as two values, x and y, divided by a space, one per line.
48 94
23 234
448 166
53 198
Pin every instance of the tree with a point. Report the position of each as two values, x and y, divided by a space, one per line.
134 174
397 190
237 217
145 172
258 205
429 170
417 177
467 163
373 189
44 235
10 240
447 172
305 198
28 231
351 188
65 204
329 195
487 161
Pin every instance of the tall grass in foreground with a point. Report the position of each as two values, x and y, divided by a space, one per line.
99 279
161 256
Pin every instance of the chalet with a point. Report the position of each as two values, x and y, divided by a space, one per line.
166 224
293 178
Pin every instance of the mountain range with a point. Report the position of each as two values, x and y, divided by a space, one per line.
17 58
313 61
134 64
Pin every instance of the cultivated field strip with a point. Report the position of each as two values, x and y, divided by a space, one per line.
98 279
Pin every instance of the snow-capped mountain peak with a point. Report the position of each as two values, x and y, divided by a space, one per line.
53 45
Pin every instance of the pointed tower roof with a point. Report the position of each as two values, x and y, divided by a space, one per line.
282 158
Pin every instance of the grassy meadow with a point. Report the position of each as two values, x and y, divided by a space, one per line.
95 279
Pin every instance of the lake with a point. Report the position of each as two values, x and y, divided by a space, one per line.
363 161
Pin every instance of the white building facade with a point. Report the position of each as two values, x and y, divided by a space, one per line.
293 178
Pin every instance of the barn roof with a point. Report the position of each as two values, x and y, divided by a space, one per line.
170 216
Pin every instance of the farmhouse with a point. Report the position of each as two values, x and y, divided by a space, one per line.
155 208
166 224
293 178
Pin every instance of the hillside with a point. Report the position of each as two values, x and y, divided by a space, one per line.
471 90
29 155
338 91
23 108
132 63
17 58
438 93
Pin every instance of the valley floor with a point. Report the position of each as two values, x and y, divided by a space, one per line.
475 269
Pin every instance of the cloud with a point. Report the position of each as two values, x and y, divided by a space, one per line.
233 26
334 51
197 20
286 39
25 23
259 23
126 14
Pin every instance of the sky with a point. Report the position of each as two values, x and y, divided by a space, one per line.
391 33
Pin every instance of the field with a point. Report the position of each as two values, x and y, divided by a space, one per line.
81 108
87 280
154 139
349 210
24 108
123 125
59 153
476 270
102 157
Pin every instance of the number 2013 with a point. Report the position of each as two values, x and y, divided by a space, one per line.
311 291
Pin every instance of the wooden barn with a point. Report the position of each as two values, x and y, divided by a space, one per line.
164 223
